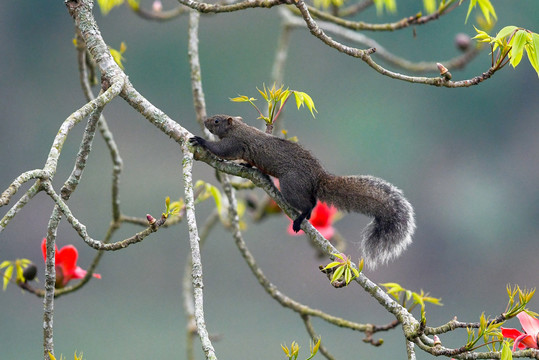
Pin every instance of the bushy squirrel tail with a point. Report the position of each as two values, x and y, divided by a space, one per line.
391 230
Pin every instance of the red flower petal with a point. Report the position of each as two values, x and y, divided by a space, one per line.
529 324
67 259
44 249
78 273
323 215
321 219
66 263
524 341
510 333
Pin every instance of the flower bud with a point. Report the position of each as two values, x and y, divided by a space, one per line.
462 41
157 6
444 72
30 272
151 219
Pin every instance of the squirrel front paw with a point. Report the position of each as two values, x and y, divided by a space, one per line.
197 140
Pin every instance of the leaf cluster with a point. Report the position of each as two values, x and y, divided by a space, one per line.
488 330
486 8
117 55
293 352
75 357
511 43
405 295
516 306
275 99
206 190
18 265
343 269
172 208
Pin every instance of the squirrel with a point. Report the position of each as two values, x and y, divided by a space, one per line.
303 181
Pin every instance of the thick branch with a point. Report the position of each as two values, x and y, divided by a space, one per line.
19 181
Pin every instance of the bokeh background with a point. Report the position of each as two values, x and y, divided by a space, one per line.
467 159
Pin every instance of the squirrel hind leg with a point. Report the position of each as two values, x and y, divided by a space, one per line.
299 193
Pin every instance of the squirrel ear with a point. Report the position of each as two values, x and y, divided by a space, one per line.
230 119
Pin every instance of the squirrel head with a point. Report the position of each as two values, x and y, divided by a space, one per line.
220 124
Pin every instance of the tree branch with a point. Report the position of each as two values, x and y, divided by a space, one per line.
197 277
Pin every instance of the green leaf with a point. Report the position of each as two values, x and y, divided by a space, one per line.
338 273
506 352
20 276
532 50
517 50
107 5
285 349
470 7
134 4
505 31
332 265
432 300
117 55
347 275
216 194
314 349
304 99
482 36
4 264
7 275
390 5
487 9
265 93
429 5
284 97
242 98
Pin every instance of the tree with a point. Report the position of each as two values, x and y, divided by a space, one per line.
90 46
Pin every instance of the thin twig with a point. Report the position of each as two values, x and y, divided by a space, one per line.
160 16
398 25
84 151
314 336
270 288
220 8
457 62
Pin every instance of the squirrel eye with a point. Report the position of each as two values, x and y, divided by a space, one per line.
216 121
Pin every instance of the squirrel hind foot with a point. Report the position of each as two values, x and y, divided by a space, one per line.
296 226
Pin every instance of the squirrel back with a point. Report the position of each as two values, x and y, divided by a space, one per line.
303 181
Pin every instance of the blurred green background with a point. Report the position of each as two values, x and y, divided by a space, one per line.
467 159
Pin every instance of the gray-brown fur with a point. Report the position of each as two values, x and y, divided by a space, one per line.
303 181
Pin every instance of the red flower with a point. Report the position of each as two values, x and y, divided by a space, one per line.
322 219
65 261
527 339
